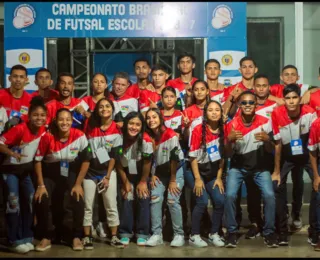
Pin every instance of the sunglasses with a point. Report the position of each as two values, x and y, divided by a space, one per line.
250 102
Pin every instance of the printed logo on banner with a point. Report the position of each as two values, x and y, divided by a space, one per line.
221 17
24 58
24 16
227 59
227 82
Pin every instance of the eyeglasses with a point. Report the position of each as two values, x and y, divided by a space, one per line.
250 102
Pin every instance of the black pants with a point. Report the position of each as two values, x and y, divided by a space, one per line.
296 166
56 186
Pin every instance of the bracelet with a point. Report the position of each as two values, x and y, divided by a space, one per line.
41 186
143 181
105 177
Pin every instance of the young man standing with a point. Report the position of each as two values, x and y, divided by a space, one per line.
186 62
142 70
249 144
291 125
15 99
264 108
43 80
212 69
65 86
288 76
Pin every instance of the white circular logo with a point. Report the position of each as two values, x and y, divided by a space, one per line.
221 17
24 16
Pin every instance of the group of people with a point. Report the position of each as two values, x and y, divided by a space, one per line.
141 144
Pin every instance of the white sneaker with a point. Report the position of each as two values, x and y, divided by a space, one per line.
178 240
216 240
197 241
155 240
100 230
20 249
30 246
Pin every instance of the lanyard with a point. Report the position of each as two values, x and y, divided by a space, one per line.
299 126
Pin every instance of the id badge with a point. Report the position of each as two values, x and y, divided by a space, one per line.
102 155
132 165
15 150
14 113
213 153
296 147
64 168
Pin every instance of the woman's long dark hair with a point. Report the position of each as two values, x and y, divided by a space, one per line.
204 128
106 91
95 119
193 86
139 137
162 126
53 126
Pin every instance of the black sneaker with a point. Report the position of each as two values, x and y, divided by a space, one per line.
313 239
271 240
283 239
253 232
115 241
87 243
232 240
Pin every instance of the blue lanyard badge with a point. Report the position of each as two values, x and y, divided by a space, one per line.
15 150
64 168
14 113
153 168
213 153
102 155
296 147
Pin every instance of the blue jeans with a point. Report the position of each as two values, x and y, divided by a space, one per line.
173 202
19 192
141 212
235 178
202 202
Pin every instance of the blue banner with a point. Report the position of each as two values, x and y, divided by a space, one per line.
124 19
106 19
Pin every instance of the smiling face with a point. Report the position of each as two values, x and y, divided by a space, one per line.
64 121
18 79
247 104
214 112
120 86
105 109
66 86
99 84
289 76
153 120
134 126
38 117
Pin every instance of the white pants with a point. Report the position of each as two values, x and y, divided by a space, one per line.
109 197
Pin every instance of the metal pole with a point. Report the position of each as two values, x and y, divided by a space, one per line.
298 8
